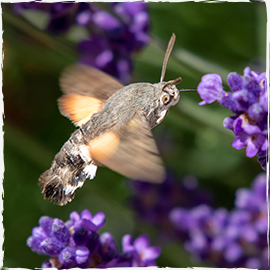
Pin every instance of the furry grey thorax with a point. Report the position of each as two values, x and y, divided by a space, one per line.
121 107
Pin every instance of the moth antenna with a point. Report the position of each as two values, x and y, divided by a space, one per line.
167 55
172 82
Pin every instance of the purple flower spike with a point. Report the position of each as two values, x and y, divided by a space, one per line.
210 88
76 244
248 102
114 33
228 239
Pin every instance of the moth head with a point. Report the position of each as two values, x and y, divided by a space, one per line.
166 95
170 94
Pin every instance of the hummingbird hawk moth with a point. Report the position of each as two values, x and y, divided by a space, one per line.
115 123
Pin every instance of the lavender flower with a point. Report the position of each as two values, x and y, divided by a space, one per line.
236 238
123 33
248 102
114 34
76 243
152 203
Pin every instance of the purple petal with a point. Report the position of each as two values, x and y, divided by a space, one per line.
202 103
46 224
87 224
140 21
38 232
261 225
127 243
46 264
219 243
247 71
106 237
265 146
60 231
106 21
67 256
99 219
201 212
104 58
229 102
107 241
264 100
84 17
263 158
237 218
251 149
239 142
82 255
259 185
182 219
253 88
34 244
253 263
242 99
243 196
74 216
198 240
228 123
233 252
151 253
133 8
237 126
256 111
85 214
235 81
249 234
251 129
210 88
261 77
51 246
141 242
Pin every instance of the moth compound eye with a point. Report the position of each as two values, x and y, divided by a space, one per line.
166 99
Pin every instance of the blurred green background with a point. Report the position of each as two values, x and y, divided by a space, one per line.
210 37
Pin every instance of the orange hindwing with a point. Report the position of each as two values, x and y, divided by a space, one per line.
78 108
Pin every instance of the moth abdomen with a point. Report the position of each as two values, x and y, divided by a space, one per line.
52 188
72 165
